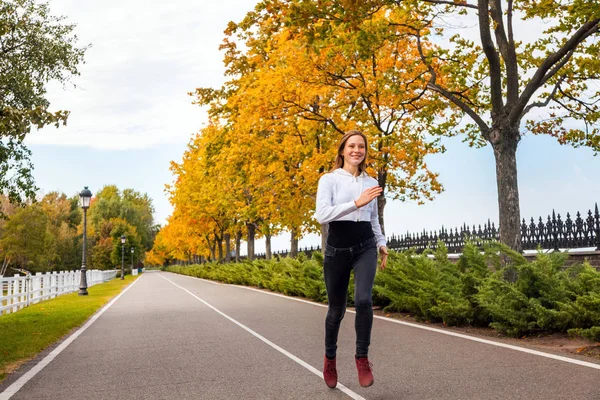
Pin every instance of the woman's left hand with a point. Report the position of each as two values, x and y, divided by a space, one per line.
383 252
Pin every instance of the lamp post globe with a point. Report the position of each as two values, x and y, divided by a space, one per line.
85 197
123 257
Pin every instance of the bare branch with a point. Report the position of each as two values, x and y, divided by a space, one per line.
374 116
501 39
318 116
542 75
579 101
569 109
547 101
509 17
492 56
338 77
432 85
507 49
558 66
460 104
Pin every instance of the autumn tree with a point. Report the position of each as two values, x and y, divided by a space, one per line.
204 193
530 67
36 48
161 252
184 239
289 98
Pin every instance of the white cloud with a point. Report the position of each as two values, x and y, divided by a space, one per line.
145 57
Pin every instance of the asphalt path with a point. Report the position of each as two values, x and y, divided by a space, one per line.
170 336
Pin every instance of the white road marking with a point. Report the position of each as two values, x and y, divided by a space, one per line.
309 367
19 383
444 332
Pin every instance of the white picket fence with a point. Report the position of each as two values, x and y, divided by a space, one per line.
21 291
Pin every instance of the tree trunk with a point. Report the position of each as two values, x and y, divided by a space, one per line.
268 247
381 201
294 244
250 240
238 244
220 248
505 152
227 238
324 233
213 249
380 207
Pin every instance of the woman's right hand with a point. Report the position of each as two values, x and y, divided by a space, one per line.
367 196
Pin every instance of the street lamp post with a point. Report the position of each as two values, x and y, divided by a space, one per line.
85 198
122 257
132 261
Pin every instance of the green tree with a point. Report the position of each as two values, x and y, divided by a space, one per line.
35 48
130 205
100 254
137 209
25 239
6 209
132 240
106 204
64 250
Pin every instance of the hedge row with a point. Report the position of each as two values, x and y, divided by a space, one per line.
541 296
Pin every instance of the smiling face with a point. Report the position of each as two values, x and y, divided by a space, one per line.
354 151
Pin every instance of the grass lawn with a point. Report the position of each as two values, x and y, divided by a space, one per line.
27 332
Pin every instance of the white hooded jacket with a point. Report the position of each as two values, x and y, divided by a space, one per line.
335 200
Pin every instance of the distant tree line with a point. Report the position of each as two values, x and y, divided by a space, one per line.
47 234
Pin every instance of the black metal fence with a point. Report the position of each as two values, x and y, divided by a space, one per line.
555 233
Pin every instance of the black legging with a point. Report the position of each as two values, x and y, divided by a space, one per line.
338 264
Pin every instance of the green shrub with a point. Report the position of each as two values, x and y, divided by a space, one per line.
293 277
544 297
496 287
430 289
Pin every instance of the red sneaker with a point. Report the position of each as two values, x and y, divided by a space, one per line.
330 372
365 374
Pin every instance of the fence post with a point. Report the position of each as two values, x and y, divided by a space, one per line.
55 286
597 217
9 293
63 282
15 291
38 285
28 288
554 227
44 286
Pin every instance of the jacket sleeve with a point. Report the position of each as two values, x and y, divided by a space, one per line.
326 210
376 226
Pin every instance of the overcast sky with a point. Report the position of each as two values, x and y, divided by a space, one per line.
131 116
